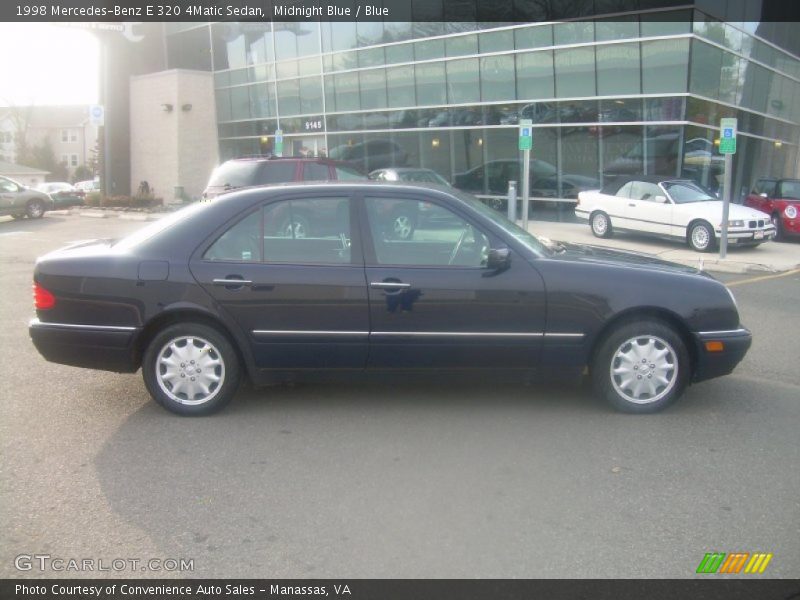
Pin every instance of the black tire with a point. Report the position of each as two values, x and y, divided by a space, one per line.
298 226
701 237
778 222
212 346
35 209
620 389
402 225
600 223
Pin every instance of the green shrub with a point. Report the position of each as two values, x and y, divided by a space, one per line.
93 199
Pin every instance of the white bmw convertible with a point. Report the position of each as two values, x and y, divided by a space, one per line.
674 208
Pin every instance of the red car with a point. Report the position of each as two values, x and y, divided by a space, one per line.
779 198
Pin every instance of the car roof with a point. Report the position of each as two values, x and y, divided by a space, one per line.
270 158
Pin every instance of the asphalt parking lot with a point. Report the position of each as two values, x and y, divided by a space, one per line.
401 480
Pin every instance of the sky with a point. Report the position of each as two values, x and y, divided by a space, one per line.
45 64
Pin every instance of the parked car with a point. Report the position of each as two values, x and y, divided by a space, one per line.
492 178
20 201
780 199
90 185
218 292
239 173
371 155
62 193
671 208
408 174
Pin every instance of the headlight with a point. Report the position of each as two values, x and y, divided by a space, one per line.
735 223
791 211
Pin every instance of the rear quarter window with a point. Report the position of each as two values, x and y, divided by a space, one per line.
276 172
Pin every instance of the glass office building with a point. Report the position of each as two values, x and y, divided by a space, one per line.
626 92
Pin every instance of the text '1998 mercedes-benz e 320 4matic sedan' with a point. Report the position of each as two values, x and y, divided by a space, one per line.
226 290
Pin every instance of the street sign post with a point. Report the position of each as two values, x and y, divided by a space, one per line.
278 142
727 147
526 144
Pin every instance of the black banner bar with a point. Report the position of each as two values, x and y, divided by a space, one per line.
712 588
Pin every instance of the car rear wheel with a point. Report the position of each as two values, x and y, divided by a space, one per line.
35 209
641 367
191 369
601 225
778 222
701 237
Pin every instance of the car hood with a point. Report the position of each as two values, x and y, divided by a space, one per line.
712 210
612 256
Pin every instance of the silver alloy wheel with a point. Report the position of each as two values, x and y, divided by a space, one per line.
402 226
190 370
599 224
35 209
700 237
644 369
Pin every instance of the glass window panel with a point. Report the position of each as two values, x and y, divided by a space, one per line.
578 32
575 72
730 84
628 109
238 76
287 69
285 41
580 166
666 23
533 37
397 31
461 45
535 75
705 70
340 35
618 69
308 66
469 164
702 161
310 95
463 81
497 78
622 150
190 50
618 28
371 57
661 150
429 49
429 84
497 41
400 86
665 65
373 88
345 60
330 94
307 34
260 101
288 97
222 79
223 98
239 243
369 32
240 103
346 86
399 53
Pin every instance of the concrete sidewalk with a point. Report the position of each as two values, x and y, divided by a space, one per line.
769 257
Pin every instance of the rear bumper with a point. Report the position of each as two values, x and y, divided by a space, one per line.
108 348
735 344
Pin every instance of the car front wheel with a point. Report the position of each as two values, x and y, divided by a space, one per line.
601 225
641 367
191 369
35 209
701 237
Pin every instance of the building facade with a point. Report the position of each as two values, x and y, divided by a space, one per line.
626 91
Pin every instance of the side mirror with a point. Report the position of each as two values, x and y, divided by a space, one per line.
763 195
499 259
660 199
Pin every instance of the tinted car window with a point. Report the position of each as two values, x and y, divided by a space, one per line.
240 242
307 231
315 172
6 185
765 186
346 173
440 238
276 172
684 192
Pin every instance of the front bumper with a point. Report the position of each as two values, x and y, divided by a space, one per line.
735 344
90 346
748 236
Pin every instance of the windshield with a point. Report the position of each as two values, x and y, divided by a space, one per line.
234 173
790 190
144 234
684 192
531 241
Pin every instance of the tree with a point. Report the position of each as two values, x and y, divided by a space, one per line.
43 157
82 173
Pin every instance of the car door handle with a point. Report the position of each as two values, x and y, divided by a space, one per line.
230 282
389 285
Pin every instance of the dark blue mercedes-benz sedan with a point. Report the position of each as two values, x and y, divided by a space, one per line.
318 280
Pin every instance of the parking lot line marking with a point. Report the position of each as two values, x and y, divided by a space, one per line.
764 278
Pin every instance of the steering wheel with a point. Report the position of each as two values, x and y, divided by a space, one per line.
458 245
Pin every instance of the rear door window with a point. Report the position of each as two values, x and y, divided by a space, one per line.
315 172
277 172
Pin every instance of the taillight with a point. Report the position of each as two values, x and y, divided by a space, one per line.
42 298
